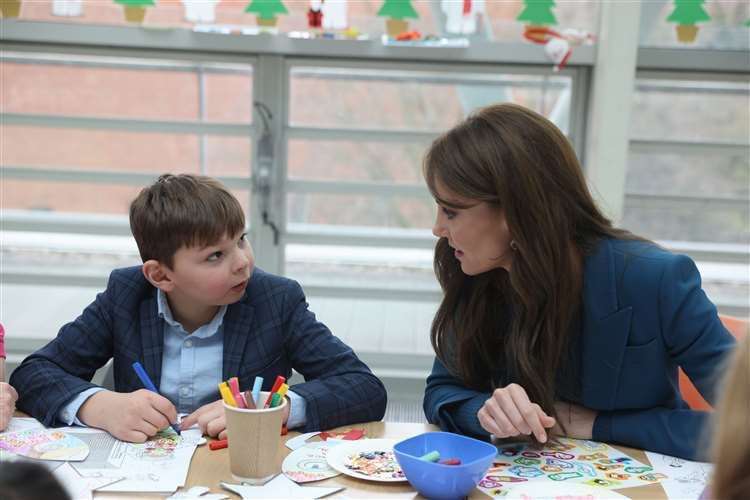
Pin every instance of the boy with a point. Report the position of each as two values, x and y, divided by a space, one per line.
8 395
196 313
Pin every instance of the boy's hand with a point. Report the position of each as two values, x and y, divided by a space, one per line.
131 417
8 398
212 420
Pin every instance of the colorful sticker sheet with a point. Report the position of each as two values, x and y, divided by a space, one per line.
375 464
308 464
44 444
565 461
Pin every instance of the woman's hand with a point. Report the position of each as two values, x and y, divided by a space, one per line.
508 412
578 420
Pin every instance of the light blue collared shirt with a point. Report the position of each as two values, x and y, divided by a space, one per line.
191 368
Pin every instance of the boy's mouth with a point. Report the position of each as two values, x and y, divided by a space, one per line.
240 287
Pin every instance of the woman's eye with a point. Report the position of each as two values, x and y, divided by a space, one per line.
214 257
448 213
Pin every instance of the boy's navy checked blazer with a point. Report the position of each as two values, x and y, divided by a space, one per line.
269 332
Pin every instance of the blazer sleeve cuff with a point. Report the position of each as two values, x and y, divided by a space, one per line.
602 430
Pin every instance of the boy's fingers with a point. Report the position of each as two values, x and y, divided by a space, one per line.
165 407
189 421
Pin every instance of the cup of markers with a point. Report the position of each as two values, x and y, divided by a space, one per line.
254 419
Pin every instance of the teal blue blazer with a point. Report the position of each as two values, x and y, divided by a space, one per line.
644 315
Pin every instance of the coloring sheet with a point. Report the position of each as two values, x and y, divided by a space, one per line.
159 465
686 479
568 461
44 444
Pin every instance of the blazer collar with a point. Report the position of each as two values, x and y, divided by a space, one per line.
152 338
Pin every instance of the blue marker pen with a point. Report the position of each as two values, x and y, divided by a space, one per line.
146 381
256 391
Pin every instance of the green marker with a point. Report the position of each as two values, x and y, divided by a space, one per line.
432 456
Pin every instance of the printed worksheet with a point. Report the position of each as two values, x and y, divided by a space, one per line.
686 479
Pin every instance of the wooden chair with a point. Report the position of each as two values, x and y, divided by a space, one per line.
738 328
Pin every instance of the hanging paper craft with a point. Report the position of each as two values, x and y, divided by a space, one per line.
200 11
135 10
558 45
686 14
266 11
308 463
44 444
462 16
536 14
315 14
566 461
397 11
335 15
10 8
67 8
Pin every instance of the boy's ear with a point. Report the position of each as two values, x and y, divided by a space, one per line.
157 275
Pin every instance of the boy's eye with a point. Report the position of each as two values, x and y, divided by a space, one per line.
214 257
242 240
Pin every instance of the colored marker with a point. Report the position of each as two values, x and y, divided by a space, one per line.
249 402
432 456
256 391
450 461
226 394
282 390
146 381
276 385
218 445
275 400
234 387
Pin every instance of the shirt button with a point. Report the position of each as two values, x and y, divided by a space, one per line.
184 391
188 343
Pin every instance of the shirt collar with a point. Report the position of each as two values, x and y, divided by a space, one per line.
204 331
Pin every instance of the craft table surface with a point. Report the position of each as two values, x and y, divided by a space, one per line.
209 468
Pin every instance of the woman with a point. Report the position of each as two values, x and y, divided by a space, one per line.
731 444
552 320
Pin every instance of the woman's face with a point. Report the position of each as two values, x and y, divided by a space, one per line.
478 234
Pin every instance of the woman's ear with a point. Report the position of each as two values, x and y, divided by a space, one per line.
157 275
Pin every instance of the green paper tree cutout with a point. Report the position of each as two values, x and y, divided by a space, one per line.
397 9
266 9
538 12
135 3
688 12
747 23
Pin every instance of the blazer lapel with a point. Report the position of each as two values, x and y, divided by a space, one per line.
605 329
152 338
237 322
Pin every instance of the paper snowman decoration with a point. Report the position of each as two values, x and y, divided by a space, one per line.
67 8
335 15
200 11
462 15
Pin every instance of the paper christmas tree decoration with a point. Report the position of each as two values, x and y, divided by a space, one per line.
686 14
266 11
10 8
397 11
67 8
135 10
538 13
200 11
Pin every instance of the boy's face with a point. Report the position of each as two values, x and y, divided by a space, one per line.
212 276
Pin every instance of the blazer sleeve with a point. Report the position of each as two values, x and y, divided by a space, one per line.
52 376
339 389
695 340
450 405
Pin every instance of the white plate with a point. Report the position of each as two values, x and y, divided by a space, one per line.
548 490
338 455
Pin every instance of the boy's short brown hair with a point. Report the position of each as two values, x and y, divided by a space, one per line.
183 210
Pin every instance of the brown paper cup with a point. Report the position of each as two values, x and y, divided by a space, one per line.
254 441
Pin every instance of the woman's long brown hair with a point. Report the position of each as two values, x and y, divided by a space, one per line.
731 444
518 161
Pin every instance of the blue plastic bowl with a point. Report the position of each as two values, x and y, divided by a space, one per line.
435 480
